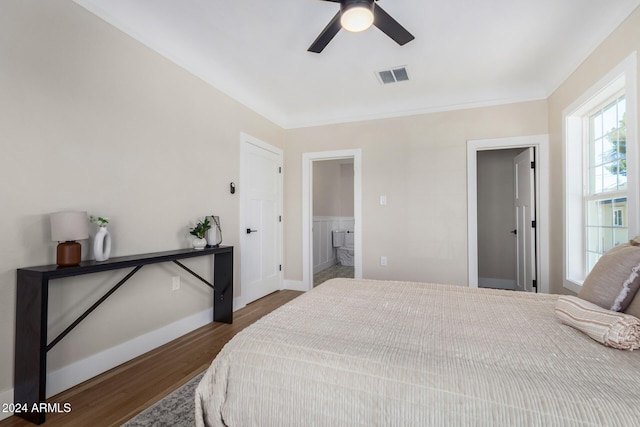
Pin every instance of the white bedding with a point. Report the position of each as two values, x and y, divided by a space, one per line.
380 353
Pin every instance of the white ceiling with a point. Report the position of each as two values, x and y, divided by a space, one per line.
466 53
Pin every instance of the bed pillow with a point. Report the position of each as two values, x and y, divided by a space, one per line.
613 329
615 279
634 307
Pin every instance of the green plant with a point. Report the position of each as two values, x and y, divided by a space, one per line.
201 228
617 137
100 221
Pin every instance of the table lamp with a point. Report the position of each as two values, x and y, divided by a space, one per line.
66 228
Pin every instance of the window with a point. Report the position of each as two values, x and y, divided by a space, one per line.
606 195
617 217
600 172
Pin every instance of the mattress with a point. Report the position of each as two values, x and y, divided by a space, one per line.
386 353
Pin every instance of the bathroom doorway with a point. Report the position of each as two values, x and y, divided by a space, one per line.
333 220
325 210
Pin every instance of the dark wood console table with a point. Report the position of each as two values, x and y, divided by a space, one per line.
32 297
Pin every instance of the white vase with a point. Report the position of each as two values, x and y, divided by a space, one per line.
102 244
199 243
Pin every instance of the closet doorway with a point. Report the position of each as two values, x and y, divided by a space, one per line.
331 202
539 239
507 249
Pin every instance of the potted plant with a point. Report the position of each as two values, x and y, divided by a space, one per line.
200 231
99 221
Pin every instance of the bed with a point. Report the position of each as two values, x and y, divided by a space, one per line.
389 353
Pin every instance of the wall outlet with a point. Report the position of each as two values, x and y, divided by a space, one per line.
175 283
383 260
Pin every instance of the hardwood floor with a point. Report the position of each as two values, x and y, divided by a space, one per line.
115 396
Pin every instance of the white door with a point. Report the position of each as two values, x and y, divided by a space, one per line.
261 226
525 219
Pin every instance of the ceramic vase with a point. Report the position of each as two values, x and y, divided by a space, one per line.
102 244
199 243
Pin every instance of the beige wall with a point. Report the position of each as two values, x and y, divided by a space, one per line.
619 45
333 188
92 120
346 189
419 163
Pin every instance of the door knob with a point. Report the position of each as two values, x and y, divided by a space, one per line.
249 231
514 231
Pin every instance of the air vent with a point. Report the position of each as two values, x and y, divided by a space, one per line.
394 75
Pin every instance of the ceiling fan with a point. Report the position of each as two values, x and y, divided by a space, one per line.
358 15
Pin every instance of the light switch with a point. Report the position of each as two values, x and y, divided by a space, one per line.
383 200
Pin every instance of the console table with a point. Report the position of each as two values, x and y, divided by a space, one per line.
32 297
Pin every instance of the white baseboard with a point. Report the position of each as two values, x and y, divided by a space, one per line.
82 370
489 282
85 369
6 397
238 304
294 285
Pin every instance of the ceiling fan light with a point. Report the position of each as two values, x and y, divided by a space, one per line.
357 15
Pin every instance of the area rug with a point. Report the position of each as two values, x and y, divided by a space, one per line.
177 409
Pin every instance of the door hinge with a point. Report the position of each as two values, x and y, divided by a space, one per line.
279 169
535 284
279 218
280 267
533 224
533 165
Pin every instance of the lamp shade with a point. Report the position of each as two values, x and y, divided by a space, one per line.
69 226
357 15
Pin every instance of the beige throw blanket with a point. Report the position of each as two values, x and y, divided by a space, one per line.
377 353
608 327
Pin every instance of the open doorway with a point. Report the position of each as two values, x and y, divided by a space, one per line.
311 238
539 230
507 252
333 220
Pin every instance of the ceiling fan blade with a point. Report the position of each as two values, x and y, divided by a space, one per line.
390 26
326 35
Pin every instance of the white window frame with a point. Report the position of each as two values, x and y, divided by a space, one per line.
622 77
617 217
